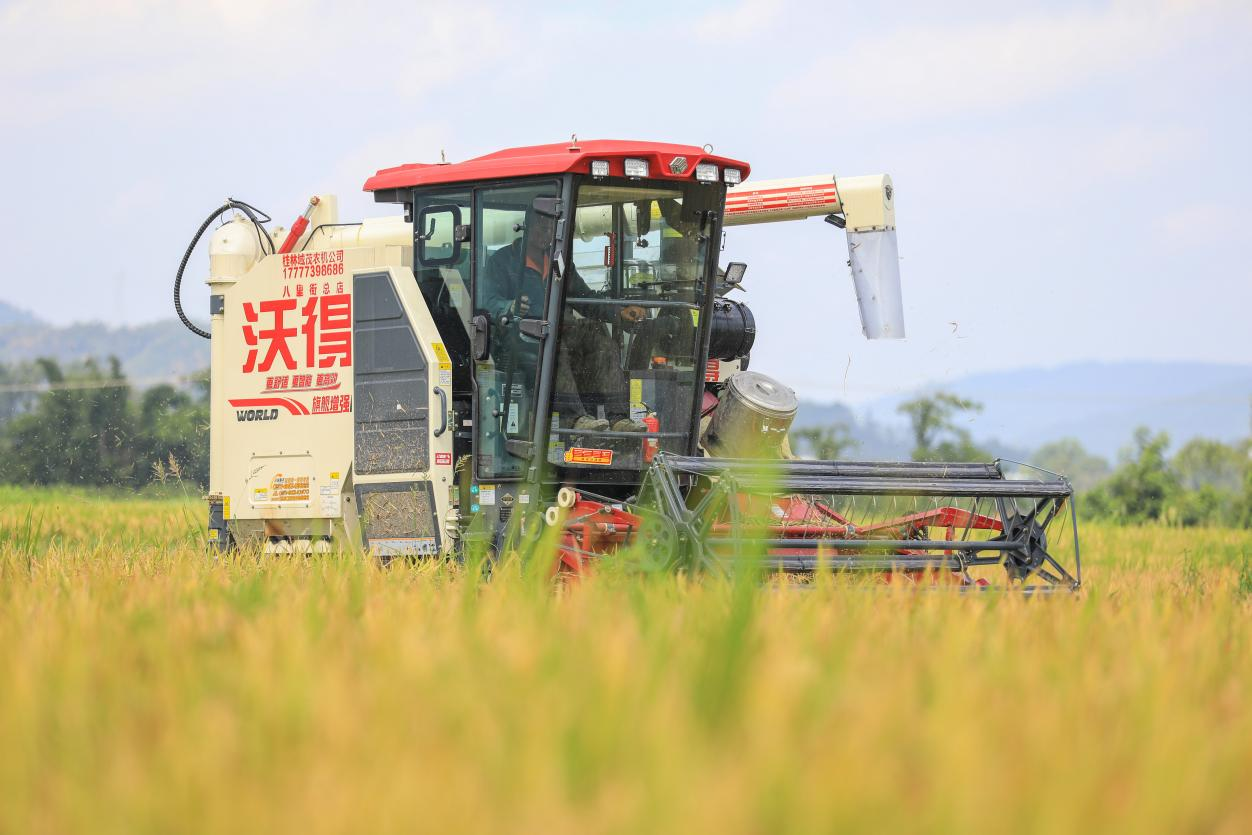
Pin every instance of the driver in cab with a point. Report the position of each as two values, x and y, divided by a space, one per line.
589 368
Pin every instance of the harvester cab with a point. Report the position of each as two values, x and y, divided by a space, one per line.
575 288
547 339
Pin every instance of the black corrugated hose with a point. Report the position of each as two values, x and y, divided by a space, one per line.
258 218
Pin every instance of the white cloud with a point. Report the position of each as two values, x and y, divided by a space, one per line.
136 199
925 71
1204 223
1131 150
1026 165
741 22
136 56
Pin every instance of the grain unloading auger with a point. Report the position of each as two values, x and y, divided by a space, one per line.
545 342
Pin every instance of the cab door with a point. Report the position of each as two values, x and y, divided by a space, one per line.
511 295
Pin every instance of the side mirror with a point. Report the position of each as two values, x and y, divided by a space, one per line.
547 206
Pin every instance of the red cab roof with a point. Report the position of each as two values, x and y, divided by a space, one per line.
559 158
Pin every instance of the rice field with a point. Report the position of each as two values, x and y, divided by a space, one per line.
146 688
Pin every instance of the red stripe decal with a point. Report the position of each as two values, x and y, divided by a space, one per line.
290 405
744 192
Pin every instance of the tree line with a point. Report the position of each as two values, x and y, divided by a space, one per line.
84 424
1205 482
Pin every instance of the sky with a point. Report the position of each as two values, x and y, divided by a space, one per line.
1071 178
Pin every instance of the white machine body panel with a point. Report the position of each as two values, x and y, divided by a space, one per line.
284 424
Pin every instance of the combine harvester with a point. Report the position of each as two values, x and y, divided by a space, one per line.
546 340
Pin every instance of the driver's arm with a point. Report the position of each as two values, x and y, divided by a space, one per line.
578 289
497 288
606 313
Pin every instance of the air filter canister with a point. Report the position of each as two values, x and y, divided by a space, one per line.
752 417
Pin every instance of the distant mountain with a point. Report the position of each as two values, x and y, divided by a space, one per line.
1100 404
10 315
874 441
162 351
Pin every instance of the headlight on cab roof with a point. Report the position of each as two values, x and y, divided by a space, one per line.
733 176
706 172
636 167
599 168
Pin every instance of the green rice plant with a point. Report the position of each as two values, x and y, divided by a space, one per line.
21 538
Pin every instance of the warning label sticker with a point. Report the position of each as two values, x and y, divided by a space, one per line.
584 455
328 496
443 459
638 411
441 354
444 362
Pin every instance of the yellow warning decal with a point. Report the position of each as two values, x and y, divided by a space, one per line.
441 354
225 507
695 318
583 455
